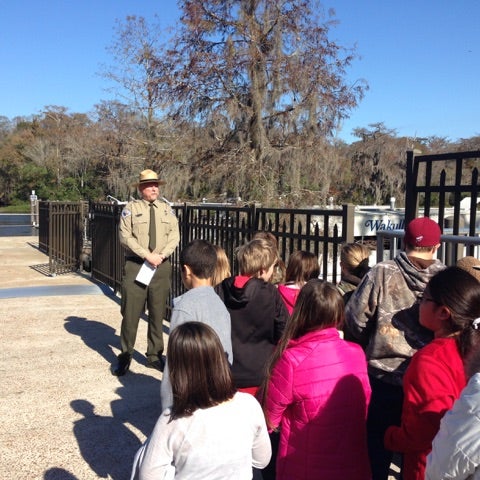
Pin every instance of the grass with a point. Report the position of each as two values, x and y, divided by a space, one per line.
23 208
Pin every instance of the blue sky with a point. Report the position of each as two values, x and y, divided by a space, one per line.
421 58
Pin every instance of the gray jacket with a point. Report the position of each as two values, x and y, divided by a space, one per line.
201 304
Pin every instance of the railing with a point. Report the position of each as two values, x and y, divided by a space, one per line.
107 254
61 232
443 180
64 230
223 225
321 231
452 247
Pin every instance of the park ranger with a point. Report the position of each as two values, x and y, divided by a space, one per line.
149 232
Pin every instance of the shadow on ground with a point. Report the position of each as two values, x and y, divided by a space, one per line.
108 443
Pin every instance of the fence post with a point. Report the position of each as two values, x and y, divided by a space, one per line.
34 209
410 196
184 237
348 222
51 236
253 221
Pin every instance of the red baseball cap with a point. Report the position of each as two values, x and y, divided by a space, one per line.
422 232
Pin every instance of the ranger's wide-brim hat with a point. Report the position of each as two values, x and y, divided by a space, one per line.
148 176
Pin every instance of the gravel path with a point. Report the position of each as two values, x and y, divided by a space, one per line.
64 416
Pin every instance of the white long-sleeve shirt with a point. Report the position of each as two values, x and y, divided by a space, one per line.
218 443
456 448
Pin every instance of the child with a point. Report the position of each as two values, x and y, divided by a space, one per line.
200 303
435 376
317 392
210 431
222 269
456 447
382 316
302 266
257 311
278 275
471 265
354 259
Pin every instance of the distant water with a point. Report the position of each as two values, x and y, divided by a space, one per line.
17 225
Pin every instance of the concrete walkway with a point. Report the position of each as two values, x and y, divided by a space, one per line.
64 416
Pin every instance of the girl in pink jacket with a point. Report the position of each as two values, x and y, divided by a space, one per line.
302 266
317 392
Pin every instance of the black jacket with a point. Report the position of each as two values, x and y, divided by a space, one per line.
258 317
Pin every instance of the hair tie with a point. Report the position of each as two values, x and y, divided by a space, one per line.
476 324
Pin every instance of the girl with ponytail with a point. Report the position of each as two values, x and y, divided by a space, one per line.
450 307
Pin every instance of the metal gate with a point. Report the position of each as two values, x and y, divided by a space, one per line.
445 187
60 236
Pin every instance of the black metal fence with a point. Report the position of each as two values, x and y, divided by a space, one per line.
107 255
321 231
444 180
434 184
61 234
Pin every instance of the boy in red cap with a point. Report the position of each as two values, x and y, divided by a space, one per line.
382 316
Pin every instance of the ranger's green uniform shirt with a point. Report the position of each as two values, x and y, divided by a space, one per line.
134 226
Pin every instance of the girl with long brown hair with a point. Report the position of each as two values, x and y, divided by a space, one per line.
317 392
211 431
